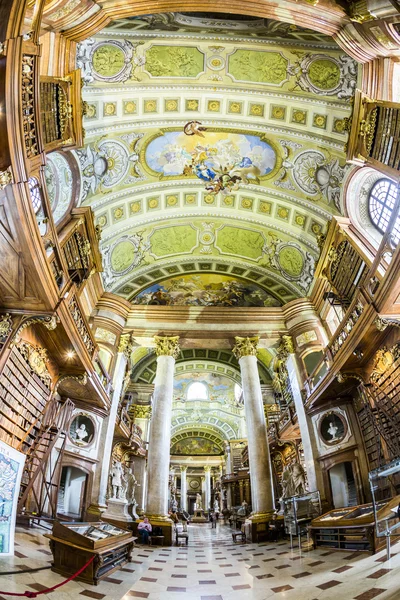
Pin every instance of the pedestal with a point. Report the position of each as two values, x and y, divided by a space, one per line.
117 513
198 516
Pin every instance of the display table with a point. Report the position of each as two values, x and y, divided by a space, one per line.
352 528
73 544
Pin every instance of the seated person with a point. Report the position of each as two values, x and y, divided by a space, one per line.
144 530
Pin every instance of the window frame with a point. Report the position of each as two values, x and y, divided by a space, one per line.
384 204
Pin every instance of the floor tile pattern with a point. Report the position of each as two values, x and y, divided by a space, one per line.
212 567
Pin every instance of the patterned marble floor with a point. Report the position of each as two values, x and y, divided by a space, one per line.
213 568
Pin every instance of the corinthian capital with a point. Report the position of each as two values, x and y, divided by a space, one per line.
167 346
245 346
126 345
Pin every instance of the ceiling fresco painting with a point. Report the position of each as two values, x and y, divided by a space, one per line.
196 446
221 159
219 388
214 146
205 290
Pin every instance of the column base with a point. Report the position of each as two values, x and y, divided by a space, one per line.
165 523
94 512
256 526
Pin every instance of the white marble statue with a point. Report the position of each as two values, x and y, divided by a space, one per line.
118 481
81 434
198 505
333 431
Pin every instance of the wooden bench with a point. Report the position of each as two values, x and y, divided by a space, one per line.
240 535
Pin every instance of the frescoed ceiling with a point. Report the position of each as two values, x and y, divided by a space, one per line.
214 156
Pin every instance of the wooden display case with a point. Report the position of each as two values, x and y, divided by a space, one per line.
352 528
73 544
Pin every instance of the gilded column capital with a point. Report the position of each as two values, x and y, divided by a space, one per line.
285 347
207 468
167 346
246 346
140 412
126 345
183 468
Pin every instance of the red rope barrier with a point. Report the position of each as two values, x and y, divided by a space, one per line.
47 590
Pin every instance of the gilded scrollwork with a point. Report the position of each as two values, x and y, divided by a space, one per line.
167 346
5 326
245 346
136 411
126 345
384 359
49 321
285 347
37 359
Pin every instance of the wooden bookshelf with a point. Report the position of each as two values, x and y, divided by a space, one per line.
24 396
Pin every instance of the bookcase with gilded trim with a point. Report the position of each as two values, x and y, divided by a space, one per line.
24 395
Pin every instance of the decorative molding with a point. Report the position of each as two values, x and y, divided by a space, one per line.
167 346
381 323
245 346
81 379
49 321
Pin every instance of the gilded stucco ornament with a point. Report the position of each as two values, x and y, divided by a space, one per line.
6 177
384 359
245 346
37 358
5 326
285 347
126 345
167 346
382 323
136 411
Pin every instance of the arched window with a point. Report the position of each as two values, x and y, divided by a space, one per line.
197 391
382 199
238 392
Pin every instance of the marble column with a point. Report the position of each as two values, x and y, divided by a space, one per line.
207 470
167 349
262 494
183 487
312 465
100 484
229 470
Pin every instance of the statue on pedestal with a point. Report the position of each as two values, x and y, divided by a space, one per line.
198 505
118 481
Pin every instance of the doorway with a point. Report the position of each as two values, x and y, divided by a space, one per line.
343 486
72 493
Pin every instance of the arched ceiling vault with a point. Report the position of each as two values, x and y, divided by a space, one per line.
231 214
218 362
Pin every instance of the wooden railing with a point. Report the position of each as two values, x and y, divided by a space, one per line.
374 282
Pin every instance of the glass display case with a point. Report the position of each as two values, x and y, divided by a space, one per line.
299 512
353 527
73 544
385 488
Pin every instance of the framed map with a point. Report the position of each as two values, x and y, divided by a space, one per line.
11 468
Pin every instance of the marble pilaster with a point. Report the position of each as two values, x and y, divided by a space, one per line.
207 485
100 484
183 487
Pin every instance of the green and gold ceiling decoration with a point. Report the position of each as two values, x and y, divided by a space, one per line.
243 198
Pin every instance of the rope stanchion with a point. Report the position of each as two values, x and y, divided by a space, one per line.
28 594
